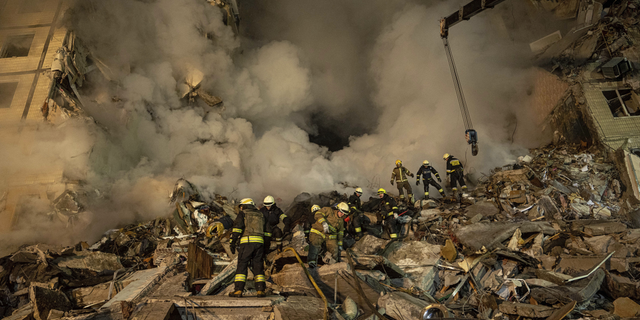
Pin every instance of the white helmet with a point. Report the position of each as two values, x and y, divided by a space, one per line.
247 201
268 201
315 208
359 191
426 163
343 207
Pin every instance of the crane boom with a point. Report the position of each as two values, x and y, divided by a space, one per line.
465 13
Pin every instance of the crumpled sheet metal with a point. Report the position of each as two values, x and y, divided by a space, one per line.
491 235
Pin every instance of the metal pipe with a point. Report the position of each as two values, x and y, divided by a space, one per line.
335 290
326 304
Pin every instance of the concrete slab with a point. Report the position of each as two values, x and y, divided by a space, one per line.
220 301
142 282
300 308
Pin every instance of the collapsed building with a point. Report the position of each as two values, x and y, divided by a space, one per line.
555 235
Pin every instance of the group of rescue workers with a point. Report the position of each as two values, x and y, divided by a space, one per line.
455 173
254 229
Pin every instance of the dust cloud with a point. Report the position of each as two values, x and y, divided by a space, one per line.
373 72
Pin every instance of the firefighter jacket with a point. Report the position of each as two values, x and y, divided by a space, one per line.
388 206
453 165
426 171
336 224
249 226
354 203
400 174
272 217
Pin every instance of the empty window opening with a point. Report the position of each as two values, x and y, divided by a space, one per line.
30 6
7 90
622 102
17 46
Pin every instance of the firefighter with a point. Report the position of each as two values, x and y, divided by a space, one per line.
272 216
309 220
425 171
329 229
248 238
355 218
389 213
399 175
455 171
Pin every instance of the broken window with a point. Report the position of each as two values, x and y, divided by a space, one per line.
17 46
7 90
622 102
30 6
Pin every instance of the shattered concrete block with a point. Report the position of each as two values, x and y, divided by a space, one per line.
581 209
491 235
55 314
370 245
598 227
599 244
619 286
221 279
44 300
428 204
417 258
293 278
586 263
581 290
526 310
486 208
626 308
400 305
429 213
93 261
350 309
141 283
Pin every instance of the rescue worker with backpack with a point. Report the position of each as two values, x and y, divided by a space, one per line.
248 237
328 229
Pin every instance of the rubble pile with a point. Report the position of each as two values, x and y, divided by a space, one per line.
545 237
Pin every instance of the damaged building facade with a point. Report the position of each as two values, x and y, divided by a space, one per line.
555 235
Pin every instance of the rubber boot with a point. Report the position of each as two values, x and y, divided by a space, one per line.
236 294
312 257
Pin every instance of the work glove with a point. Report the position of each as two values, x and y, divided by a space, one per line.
411 175
395 215
417 182
391 182
233 248
325 226
340 248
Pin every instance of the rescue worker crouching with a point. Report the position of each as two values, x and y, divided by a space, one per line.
355 218
273 215
328 229
455 171
389 209
399 175
247 237
425 171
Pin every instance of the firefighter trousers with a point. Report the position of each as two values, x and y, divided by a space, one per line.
404 185
457 178
316 242
427 182
250 255
276 235
391 226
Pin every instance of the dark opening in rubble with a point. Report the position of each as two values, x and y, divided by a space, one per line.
30 6
7 90
623 102
17 46
329 133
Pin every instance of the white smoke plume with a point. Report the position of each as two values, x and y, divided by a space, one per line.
373 72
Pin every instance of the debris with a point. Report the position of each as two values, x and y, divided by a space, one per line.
491 235
44 300
626 308
449 251
526 310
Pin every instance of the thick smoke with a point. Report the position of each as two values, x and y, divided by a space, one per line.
372 70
